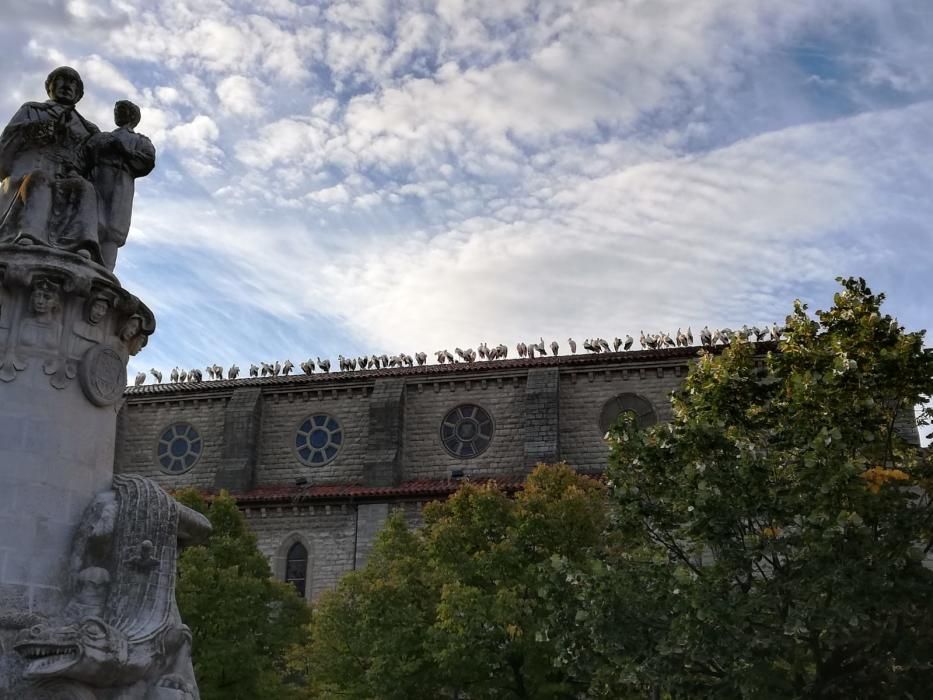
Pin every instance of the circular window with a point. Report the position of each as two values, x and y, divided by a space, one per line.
466 431
631 403
179 448
318 440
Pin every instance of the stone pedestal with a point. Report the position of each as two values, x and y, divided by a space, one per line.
67 329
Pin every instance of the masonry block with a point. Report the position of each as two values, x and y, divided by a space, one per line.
242 418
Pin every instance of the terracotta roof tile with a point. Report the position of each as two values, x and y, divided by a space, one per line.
319 492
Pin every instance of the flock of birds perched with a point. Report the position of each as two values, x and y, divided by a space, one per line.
708 338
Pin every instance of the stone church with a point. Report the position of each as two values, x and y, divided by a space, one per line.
316 462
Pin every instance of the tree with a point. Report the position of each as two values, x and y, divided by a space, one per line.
774 533
452 609
243 622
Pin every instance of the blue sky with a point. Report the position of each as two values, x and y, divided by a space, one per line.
382 176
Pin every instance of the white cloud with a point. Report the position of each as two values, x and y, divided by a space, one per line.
239 95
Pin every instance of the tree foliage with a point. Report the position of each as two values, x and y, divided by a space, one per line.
779 523
452 609
243 622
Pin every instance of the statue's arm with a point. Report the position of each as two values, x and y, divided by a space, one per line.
141 156
15 137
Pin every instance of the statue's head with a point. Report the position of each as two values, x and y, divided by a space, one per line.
64 85
44 298
125 113
131 329
97 310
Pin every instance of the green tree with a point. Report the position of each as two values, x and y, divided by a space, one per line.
773 535
452 609
243 622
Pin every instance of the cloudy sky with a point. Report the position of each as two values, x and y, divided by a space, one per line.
404 175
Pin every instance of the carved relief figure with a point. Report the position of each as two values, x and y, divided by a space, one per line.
45 196
120 637
117 159
42 329
90 328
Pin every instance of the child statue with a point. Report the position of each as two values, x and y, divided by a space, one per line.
117 159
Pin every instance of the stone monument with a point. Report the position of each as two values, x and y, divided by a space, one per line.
87 559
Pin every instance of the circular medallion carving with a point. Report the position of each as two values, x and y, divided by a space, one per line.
102 375
318 440
179 448
466 431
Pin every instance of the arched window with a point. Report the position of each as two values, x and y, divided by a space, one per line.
296 567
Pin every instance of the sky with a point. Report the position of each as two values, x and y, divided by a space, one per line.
385 176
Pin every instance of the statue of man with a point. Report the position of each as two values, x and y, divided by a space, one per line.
117 159
45 196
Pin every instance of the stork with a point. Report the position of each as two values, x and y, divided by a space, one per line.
140 378
287 367
157 375
174 375
276 369
522 350
253 371
183 376
616 344
554 347
627 345
689 336
323 364
706 337
421 358
307 366
363 360
233 372
441 356
642 340
195 376
573 345
681 339
603 345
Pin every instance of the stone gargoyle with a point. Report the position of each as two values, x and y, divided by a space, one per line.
120 636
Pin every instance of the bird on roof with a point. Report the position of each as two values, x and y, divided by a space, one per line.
253 371
616 344
706 337
174 375
689 336
481 351
775 332
680 339
276 369
627 345
554 347
642 340
307 366
183 376
408 360
287 367
195 375
573 345
421 358
233 372
603 345
530 349
323 364
522 350
140 378
157 375
363 361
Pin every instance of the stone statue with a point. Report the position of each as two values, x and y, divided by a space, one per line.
63 183
117 159
45 196
120 636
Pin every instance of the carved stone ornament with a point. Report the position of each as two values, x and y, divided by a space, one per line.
119 637
69 317
103 375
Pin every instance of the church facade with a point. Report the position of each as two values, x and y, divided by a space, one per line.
317 462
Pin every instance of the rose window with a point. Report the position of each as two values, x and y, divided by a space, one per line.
179 448
466 431
318 440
